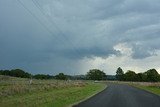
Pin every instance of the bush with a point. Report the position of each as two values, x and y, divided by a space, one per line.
15 73
96 74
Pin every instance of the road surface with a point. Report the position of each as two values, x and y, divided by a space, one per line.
117 95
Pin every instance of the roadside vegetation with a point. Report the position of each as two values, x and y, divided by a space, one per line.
26 90
148 86
19 92
149 80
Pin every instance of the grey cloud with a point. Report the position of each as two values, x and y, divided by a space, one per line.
77 29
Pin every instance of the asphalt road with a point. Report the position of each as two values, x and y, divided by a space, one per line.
117 95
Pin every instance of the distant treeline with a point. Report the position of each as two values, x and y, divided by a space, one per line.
149 76
23 74
15 73
94 74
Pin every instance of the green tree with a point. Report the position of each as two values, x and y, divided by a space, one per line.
142 77
61 76
131 76
43 76
152 75
96 74
120 74
16 73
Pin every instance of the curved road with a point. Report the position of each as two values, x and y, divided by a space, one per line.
118 95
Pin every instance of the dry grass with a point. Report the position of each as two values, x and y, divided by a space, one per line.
11 85
150 84
147 84
18 92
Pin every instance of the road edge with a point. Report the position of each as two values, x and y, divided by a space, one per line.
87 98
145 90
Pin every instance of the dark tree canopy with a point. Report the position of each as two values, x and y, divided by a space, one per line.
120 74
152 75
141 77
96 74
43 76
130 76
15 73
61 76
149 76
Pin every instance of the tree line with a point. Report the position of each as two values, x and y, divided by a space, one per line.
150 75
94 74
22 74
15 73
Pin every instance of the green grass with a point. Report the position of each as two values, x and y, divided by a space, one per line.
152 89
63 95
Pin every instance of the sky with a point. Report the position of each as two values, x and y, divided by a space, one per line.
74 36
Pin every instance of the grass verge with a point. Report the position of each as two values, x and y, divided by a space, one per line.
152 89
60 97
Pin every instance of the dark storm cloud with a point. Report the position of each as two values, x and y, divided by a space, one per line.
69 30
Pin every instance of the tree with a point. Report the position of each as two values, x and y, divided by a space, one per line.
61 76
149 76
16 73
96 74
142 77
152 75
120 74
43 76
130 76
20 73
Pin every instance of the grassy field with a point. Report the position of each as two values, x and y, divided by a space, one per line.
18 92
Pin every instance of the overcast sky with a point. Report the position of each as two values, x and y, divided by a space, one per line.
73 36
